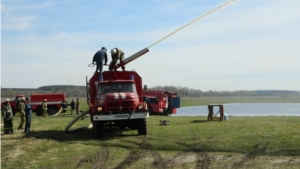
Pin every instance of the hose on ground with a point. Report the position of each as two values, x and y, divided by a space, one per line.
74 120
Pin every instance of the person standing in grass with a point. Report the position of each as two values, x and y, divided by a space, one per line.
64 105
7 115
21 108
28 113
77 106
45 108
72 107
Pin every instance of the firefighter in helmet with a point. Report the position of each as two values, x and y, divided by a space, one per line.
64 106
45 108
116 54
21 109
7 115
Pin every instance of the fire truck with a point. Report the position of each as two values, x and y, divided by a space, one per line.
161 102
53 102
116 100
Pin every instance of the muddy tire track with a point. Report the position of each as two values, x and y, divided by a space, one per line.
257 149
98 159
203 160
133 157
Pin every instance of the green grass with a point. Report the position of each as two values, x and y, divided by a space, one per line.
256 138
188 142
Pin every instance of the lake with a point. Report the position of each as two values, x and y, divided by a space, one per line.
245 109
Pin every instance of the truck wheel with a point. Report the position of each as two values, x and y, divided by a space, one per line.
142 127
97 129
52 110
38 111
168 112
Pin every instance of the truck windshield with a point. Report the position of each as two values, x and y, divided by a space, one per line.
116 87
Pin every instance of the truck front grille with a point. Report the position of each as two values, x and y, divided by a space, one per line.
118 104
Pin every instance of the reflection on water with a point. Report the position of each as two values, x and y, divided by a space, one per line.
245 109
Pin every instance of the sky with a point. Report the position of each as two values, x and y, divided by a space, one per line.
246 45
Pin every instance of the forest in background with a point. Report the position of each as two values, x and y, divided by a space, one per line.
80 91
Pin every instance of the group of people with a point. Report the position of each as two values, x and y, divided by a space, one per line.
74 106
25 111
101 56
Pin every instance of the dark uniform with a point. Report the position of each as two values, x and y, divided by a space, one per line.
7 115
98 58
45 108
117 54
21 108
77 106
28 113
64 106
72 107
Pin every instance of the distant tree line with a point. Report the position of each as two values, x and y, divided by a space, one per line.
69 90
80 91
188 92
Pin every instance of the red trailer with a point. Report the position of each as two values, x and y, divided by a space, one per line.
161 102
53 102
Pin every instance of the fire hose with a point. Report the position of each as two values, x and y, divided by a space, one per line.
57 112
74 120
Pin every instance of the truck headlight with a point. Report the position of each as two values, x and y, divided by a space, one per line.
99 108
141 107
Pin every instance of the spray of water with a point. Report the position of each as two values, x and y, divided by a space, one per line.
197 19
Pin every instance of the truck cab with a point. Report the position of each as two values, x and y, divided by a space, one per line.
115 101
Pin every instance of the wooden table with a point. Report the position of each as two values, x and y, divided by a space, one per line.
215 116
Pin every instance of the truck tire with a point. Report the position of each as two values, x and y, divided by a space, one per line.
39 111
142 127
52 111
97 129
168 112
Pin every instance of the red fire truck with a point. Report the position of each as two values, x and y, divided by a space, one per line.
161 102
116 101
53 102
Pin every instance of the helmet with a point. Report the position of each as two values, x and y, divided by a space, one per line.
103 48
7 100
22 99
113 51
27 98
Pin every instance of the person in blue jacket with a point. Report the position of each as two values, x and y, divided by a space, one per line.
98 58
28 113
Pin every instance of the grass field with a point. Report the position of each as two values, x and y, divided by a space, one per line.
188 142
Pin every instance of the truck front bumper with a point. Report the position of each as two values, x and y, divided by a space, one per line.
141 115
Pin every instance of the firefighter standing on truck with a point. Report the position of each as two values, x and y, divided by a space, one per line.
64 106
77 106
7 115
21 110
116 54
45 108
98 59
